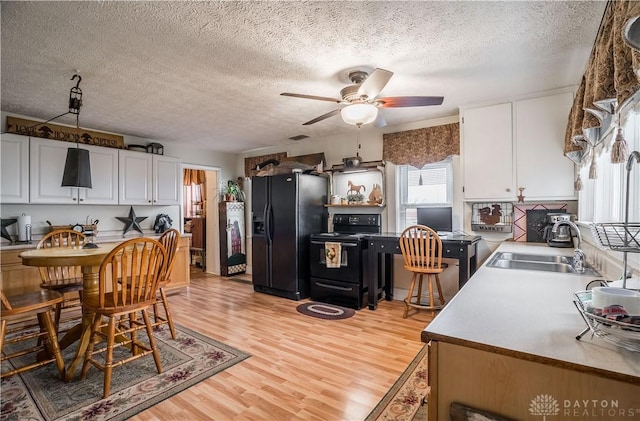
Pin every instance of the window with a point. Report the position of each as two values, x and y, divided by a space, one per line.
603 199
432 185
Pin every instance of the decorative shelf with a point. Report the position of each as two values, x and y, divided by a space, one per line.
362 167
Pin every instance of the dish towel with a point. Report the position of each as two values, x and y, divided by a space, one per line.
333 252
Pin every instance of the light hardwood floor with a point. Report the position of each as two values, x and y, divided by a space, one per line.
301 368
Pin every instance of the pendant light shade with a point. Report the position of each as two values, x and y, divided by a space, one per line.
358 114
77 169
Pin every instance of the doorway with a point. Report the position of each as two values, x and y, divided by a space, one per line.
199 212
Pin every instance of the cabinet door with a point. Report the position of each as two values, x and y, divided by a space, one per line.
542 169
14 168
135 178
167 180
488 153
46 165
104 177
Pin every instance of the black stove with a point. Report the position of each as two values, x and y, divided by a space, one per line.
342 285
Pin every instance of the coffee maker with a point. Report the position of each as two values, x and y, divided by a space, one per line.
563 237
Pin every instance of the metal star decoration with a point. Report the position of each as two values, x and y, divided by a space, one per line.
521 196
132 221
5 224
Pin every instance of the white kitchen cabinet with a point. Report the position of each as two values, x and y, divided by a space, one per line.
516 145
14 168
47 159
542 169
487 153
149 179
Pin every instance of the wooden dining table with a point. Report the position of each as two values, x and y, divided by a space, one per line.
90 260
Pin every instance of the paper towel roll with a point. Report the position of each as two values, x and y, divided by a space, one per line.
606 296
23 221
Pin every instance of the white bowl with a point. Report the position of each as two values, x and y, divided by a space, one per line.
603 297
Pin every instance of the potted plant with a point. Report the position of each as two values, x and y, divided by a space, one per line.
233 192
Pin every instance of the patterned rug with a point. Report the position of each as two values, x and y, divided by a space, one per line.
40 395
406 400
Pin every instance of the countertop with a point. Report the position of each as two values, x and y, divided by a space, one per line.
530 315
103 237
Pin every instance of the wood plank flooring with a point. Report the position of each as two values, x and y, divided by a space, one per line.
301 368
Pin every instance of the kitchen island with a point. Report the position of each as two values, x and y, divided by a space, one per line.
506 343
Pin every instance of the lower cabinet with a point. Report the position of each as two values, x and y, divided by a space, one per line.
520 389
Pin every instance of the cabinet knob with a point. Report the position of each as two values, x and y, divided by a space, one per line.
508 190
82 200
74 199
149 201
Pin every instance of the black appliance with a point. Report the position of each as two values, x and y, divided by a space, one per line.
342 285
563 237
285 210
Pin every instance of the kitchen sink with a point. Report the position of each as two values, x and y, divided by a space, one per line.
538 262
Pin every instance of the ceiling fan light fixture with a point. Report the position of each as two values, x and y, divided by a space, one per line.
359 114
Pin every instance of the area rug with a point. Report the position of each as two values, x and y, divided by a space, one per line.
325 311
406 400
40 395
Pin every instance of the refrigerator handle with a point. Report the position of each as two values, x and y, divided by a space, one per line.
270 224
267 223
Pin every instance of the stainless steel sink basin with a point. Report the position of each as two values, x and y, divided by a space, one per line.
535 258
538 262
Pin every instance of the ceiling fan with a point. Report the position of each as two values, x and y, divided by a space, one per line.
360 99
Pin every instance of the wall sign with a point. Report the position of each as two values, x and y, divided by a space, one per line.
68 134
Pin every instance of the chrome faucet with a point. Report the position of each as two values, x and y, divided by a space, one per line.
579 257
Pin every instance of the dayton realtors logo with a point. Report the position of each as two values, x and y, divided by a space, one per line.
544 405
547 405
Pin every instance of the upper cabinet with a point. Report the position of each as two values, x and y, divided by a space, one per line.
47 159
487 153
14 168
149 179
512 146
542 169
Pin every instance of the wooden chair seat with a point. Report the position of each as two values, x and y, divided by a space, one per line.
143 263
16 309
422 253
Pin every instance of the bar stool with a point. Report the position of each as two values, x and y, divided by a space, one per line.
422 252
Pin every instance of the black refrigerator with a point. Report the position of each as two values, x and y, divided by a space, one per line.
285 210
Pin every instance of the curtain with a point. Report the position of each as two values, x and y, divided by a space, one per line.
421 146
612 74
193 192
193 177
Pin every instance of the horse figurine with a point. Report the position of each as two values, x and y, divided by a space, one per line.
354 188
163 223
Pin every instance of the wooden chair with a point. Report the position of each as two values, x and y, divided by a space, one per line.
143 261
15 310
169 239
62 279
422 252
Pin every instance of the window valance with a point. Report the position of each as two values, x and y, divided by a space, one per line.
193 177
421 146
612 76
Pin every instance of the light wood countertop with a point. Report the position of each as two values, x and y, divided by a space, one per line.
530 315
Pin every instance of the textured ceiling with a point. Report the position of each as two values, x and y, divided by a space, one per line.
210 73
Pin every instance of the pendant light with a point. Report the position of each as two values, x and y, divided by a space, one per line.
77 167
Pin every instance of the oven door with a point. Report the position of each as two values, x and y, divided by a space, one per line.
350 261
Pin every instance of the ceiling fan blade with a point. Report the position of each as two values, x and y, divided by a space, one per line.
375 83
321 98
322 117
409 101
